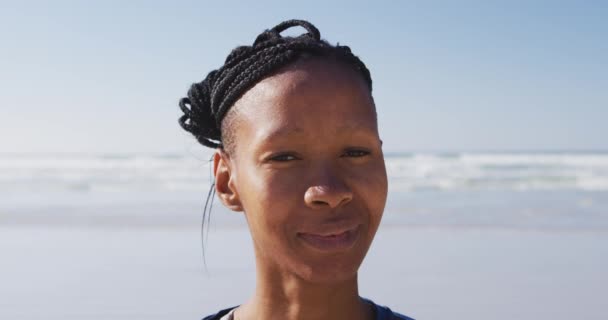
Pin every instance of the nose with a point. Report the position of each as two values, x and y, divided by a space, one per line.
329 192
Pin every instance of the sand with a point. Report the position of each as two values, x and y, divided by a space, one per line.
151 272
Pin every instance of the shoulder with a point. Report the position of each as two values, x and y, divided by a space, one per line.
219 315
384 313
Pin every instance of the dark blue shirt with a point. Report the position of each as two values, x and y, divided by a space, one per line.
382 313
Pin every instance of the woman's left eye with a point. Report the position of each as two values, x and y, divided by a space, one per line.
356 153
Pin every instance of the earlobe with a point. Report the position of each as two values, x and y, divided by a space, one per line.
224 181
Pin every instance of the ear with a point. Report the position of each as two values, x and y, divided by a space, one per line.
225 186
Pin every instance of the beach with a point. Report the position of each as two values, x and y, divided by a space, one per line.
490 117
427 273
99 248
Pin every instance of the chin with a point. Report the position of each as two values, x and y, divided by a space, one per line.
330 270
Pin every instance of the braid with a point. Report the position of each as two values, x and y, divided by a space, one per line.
209 100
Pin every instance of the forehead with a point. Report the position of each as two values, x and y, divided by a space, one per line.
309 96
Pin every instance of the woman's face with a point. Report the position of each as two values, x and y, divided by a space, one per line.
308 170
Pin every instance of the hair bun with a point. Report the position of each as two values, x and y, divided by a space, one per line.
274 34
312 31
199 118
208 101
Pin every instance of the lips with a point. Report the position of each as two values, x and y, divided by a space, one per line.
331 240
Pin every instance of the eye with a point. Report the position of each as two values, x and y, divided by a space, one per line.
355 153
283 157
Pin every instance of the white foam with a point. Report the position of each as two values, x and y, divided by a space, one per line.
466 171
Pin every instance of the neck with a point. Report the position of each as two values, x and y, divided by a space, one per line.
288 297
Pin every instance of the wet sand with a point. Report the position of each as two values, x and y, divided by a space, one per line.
113 272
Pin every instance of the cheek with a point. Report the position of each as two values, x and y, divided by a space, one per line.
269 199
271 204
273 191
370 183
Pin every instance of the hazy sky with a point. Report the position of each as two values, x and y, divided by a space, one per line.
448 76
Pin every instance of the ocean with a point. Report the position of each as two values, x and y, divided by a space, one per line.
407 172
519 190
493 235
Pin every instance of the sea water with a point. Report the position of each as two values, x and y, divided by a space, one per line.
464 236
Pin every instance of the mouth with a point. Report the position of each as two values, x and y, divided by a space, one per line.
331 241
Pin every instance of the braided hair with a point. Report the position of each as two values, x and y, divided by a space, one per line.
209 101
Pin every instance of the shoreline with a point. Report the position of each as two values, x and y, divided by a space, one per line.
140 273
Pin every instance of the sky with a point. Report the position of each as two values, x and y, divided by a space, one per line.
106 76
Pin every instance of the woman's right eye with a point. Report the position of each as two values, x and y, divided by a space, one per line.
284 157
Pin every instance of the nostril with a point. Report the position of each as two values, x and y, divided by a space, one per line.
321 196
319 202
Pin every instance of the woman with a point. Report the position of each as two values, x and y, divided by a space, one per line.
294 126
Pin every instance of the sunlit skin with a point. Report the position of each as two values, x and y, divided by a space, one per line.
308 172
